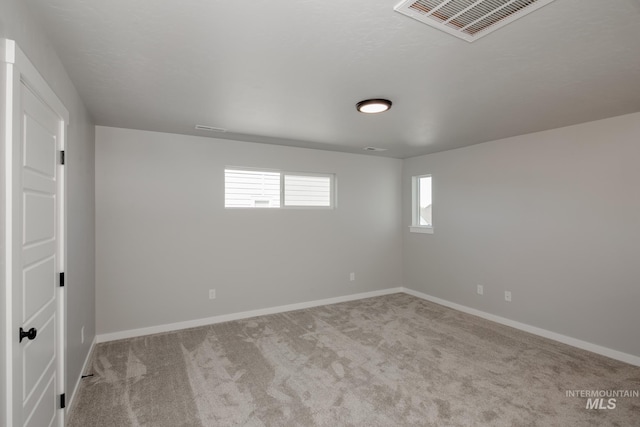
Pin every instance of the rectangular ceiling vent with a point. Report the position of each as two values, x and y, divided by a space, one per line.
468 19
210 128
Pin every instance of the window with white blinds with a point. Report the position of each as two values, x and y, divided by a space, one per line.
268 189
251 189
307 190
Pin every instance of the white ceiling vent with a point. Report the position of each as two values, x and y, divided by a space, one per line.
468 19
210 128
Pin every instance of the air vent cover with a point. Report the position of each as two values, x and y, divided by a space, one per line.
468 19
210 128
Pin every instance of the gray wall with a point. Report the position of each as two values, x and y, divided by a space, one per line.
164 238
17 23
552 216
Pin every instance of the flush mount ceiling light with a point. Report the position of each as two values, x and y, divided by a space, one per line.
371 106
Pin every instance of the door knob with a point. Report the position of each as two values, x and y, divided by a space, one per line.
30 334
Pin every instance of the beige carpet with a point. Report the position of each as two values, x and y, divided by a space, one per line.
394 360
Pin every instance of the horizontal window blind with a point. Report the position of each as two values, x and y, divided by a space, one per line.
307 190
251 189
267 189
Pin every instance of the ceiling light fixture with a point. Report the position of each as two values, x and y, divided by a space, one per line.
371 106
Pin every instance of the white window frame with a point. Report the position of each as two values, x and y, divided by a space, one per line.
415 226
283 173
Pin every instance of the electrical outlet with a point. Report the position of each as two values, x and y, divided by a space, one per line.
82 335
352 277
212 294
480 290
507 296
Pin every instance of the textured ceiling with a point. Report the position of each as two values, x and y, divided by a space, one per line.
291 72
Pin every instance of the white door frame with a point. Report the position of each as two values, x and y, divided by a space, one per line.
17 70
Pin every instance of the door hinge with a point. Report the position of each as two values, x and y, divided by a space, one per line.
62 401
62 279
62 157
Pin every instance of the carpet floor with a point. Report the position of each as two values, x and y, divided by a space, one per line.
389 361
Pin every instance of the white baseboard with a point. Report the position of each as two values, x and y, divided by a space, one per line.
87 359
237 316
584 345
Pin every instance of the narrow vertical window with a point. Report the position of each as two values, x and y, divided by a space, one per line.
422 204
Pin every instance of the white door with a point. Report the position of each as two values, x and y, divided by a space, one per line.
37 252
